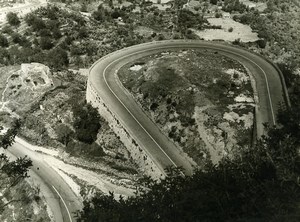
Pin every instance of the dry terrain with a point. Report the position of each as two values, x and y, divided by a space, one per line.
44 100
230 31
203 101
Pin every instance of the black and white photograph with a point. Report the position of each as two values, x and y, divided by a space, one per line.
150 110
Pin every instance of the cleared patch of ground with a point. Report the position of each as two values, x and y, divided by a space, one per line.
260 6
230 31
202 100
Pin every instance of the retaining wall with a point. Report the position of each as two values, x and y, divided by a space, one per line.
138 154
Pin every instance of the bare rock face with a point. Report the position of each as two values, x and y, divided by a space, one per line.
26 85
36 75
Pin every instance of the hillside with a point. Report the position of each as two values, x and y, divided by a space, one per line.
203 101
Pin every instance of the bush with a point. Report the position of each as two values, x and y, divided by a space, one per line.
64 134
86 123
38 24
44 33
237 41
154 106
46 43
56 33
57 58
16 37
13 19
52 25
82 33
101 14
230 29
161 37
218 15
115 14
262 43
77 148
3 41
29 19
7 29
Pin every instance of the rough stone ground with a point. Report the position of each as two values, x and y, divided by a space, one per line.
203 101
240 31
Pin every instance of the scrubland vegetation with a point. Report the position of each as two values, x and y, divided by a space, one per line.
260 183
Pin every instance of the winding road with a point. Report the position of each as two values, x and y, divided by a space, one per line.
59 196
103 79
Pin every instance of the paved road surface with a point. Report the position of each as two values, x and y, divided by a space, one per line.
103 78
59 196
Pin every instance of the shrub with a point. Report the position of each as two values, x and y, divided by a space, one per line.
237 41
44 33
161 37
86 123
57 58
262 43
16 37
218 15
7 29
230 29
3 41
38 24
154 106
46 43
56 33
13 19
29 19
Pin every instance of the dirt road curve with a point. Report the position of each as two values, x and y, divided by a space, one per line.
102 77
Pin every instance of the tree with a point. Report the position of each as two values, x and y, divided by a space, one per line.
11 172
111 3
86 123
262 43
3 41
16 37
64 134
83 7
99 15
7 29
37 24
44 33
57 58
13 19
261 183
8 138
30 18
56 33
46 43
19 39
82 33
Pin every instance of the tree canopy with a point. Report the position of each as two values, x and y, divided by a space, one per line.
86 123
11 172
13 19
